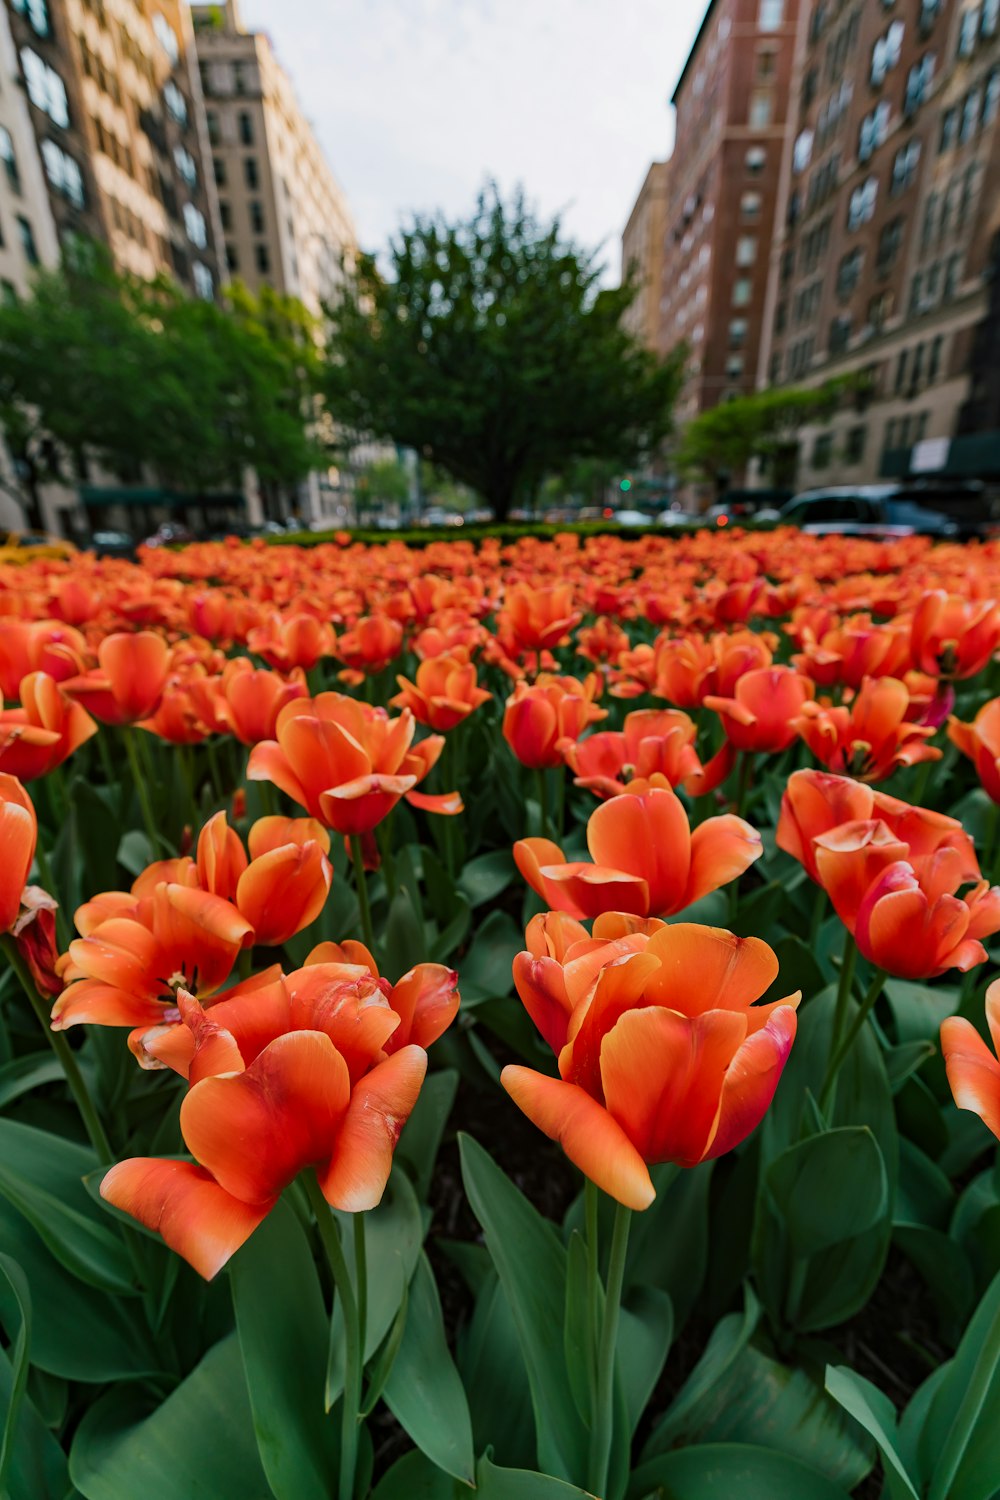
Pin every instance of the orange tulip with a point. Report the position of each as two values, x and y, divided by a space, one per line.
347 763
655 747
444 694
536 619
539 718
425 999
973 1070
689 669
292 641
44 731
854 649
283 891
130 680
44 646
869 738
320 1094
666 1058
605 640
761 715
954 637
646 859
18 837
980 741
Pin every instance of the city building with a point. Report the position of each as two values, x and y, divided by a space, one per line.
887 237
731 106
642 255
285 221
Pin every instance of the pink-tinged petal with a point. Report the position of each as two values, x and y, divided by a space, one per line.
620 987
973 1071
445 804
91 1002
993 1013
182 1202
358 806
721 850
215 1049
256 1131
380 1106
707 968
663 1076
170 1045
268 762
591 1139
426 1001
18 831
586 960
541 985
752 1079
349 952
354 1013
585 890
712 774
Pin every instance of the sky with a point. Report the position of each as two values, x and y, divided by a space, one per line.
418 102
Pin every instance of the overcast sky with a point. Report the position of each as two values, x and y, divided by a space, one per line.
417 102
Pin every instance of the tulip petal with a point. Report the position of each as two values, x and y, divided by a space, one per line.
17 849
620 987
530 855
353 1012
445 804
268 762
721 850
647 837
751 1080
541 986
182 1202
255 1131
707 968
590 1137
426 1001
380 1106
973 1071
90 1001
585 890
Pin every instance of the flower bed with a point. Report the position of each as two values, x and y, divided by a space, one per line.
512 1015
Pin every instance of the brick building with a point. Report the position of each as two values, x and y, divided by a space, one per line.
643 242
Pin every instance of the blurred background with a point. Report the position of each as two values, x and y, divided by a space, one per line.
267 267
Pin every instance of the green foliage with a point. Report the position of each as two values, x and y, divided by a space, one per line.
723 440
491 349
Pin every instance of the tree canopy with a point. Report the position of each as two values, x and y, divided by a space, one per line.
95 365
489 346
721 442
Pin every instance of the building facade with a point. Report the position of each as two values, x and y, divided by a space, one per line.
284 219
642 256
887 239
731 104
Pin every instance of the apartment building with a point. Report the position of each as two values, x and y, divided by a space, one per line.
643 242
886 242
115 106
285 221
731 105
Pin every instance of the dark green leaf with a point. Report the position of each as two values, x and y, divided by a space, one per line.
489 1357
828 1188
644 1335
877 1415
38 1465
27 1073
958 1443
725 1471
403 940
493 1483
15 1319
421 1136
486 969
486 876
728 1340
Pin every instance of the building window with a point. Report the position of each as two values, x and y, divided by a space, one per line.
904 168
970 116
879 309
918 83
250 174
9 159
194 226
256 216
803 150
225 214
767 63
239 78
929 12
991 97
734 367
746 250
203 284
46 89
246 127
761 109
934 359
36 13
219 171
886 53
771 15
175 102
750 206
263 259
862 204
214 133
890 242
27 237
840 334
917 294
63 173
968 31
849 274
738 333
854 447
949 129
232 259
822 454
742 291
185 164
952 276
166 36
755 161
874 130
781 317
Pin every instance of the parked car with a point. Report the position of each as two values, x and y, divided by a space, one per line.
631 518
876 510
25 546
170 534
112 544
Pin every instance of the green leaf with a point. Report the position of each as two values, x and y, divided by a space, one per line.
282 1323
41 1176
15 1318
486 876
577 1352
531 1264
919 1009
27 1073
945 1268
198 1444
421 1136
414 1477
644 1335
381 1366
493 1483
38 1465
424 1390
489 1357
669 1245
903 1061
877 1415
394 1233
958 1443
135 852
403 942
728 1340
828 1188
486 969
725 1471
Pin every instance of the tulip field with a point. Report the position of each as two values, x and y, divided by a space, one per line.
512 1018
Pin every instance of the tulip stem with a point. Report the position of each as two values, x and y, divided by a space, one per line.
842 1051
353 1352
593 1310
64 1053
142 790
602 1427
848 963
360 880
543 804
743 786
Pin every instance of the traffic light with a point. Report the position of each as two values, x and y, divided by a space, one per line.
626 485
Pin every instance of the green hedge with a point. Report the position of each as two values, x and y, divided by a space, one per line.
507 532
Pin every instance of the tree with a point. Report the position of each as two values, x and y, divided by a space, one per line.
721 442
490 347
